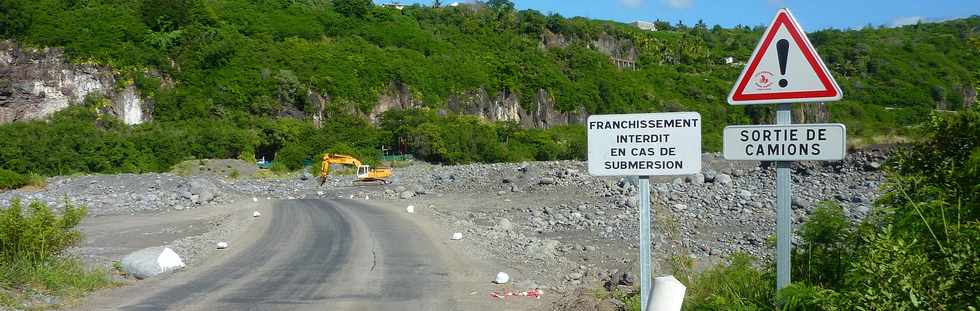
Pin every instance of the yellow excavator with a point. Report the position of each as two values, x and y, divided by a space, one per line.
364 172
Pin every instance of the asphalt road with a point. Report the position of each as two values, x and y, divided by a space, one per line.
317 255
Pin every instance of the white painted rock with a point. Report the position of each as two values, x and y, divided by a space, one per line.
366 198
502 278
319 193
150 262
351 196
254 199
222 245
268 198
256 214
457 236
410 209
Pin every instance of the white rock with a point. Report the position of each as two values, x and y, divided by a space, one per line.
290 198
268 198
256 214
149 262
502 278
351 196
319 193
222 245
410 209
254 199
367 198
457 236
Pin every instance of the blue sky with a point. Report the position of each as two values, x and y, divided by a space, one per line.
813 15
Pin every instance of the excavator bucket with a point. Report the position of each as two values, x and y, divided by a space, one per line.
323 180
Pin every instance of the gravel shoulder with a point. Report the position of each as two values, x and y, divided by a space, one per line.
192 234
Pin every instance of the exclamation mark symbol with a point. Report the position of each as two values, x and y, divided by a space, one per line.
782 49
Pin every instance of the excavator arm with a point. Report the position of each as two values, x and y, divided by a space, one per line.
335 159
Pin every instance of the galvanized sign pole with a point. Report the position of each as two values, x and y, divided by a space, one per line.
784 200
784 69
645 273
644 145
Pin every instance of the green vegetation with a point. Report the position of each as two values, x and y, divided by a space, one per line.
221 73
917 251
11 180
31 261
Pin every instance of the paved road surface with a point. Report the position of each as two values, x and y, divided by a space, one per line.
316 255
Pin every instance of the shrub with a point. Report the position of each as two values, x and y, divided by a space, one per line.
11 180
38 234
278 167
31 244
918 249
827 248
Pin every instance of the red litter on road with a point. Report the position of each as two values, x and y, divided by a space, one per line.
536 293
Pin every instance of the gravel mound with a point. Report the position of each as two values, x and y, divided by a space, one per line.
128 193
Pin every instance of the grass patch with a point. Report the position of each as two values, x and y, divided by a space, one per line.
861 142
32 243
183 168
36 180
738 285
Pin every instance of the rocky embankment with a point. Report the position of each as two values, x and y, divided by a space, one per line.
564 228
554 225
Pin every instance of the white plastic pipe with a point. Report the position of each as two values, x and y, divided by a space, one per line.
668 294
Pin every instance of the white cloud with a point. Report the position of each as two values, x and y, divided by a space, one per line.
632 3
679 4
907 20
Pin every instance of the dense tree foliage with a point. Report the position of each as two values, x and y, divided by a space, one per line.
225 61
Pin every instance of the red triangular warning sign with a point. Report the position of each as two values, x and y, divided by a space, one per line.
784 69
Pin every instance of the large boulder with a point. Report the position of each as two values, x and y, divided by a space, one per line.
203 189
546 250
723 179
150 262
504 225
407 194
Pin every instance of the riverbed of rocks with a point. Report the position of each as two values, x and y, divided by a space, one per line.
554 216
558 226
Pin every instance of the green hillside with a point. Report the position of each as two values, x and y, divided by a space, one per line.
237 65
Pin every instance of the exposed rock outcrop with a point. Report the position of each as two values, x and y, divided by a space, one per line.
35 83
969 97
504 106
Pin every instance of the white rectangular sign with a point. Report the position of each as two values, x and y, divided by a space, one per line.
790 142
645 144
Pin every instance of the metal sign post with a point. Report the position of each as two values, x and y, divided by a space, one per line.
645 274
783 69
784 197
642 145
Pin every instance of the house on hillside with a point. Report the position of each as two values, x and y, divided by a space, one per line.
394 5
644 25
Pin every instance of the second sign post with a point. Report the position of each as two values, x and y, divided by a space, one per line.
784 69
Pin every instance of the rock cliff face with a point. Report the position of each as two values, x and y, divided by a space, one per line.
37 83
969 97
615 48
503 106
